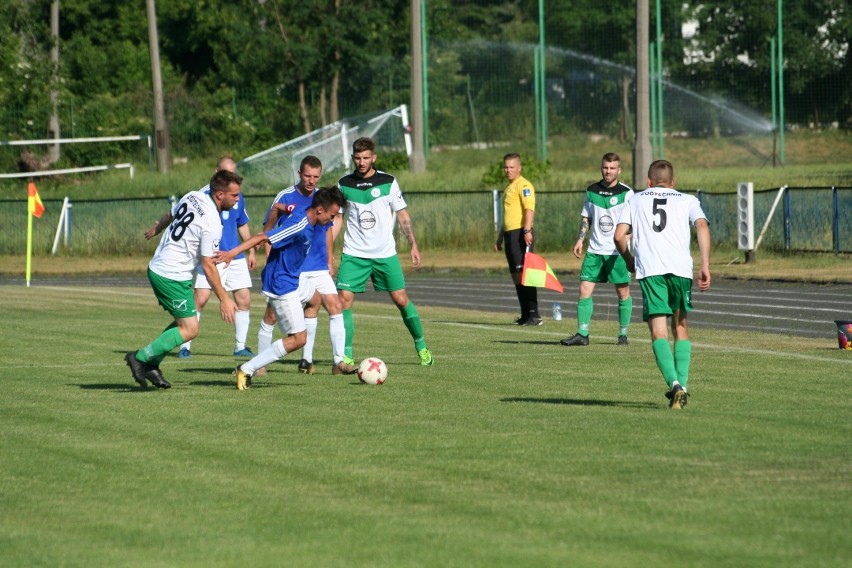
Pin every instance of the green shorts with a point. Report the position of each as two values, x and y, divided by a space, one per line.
664 295
174 295
385 273
604 268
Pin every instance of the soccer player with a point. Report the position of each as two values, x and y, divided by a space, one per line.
236 278
659 219
282 285
604 202
516 235
192 237
369 247
317 269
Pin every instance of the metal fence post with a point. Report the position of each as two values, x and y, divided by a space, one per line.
787 220
835 224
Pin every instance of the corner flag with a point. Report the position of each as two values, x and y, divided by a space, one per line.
538 273
34 205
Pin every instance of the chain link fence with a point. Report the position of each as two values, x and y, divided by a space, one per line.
809 219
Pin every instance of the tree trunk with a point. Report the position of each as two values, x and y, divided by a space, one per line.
303 108
322 107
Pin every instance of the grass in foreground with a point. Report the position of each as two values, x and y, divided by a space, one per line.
510 451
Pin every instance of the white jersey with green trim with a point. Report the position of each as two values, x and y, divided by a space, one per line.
603 207
371 214
660 219
194 232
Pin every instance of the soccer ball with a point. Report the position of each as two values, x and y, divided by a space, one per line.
372 371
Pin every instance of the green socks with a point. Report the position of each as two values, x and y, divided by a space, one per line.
415 327
625 310
585 307
665 361
682 357
156 351
349 326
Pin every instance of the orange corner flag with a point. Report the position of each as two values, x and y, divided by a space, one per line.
34 204
538 273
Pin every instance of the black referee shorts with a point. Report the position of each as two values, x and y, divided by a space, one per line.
515 249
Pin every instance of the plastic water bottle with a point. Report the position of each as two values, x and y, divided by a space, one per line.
557 312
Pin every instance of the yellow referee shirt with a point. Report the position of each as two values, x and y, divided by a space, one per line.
518 196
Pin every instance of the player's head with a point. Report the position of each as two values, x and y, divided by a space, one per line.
512 166
610 168
227 164
310 172
327 203
363 155
661 174
225 189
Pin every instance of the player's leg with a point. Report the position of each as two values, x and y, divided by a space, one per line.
589 275
387 276
291 321
306 364
264 334
201 295
324 284
238 280
175 297
656 308
619 276
682 304
351 279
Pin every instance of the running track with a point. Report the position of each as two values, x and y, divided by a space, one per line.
787 308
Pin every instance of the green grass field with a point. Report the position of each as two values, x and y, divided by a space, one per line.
510 451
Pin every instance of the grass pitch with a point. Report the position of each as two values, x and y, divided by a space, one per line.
510 451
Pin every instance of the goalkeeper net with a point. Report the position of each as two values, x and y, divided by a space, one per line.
278 166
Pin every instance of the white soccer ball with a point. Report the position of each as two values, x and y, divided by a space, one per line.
372 371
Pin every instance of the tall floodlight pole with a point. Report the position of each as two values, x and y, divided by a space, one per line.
642 144
53 125
780 82
425 60
660 80
417 161
543 86
161 128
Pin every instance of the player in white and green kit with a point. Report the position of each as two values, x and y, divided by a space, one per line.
659 218
191 239
604 202
375 202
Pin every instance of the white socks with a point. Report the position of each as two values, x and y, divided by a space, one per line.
241 327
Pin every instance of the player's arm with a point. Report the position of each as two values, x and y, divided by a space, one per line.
529 215
702 229
227 256
622 238
158 226
245 234
226 304
407 229
581 236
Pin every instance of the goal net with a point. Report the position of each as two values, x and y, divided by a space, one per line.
278 166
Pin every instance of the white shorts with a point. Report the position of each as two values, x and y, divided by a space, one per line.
235 277
322 281
288 308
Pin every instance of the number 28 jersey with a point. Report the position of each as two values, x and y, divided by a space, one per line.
660 219
194 232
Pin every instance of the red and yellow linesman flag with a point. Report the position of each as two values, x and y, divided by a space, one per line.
538 273
35 206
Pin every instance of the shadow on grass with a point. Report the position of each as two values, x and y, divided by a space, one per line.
118 387
583 402
530 342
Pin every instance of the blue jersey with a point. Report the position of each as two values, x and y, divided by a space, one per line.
231 220
291 242
295 199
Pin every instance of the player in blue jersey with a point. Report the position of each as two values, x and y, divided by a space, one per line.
317 269
283 285
236 278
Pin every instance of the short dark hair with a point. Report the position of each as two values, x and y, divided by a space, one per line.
326 196
611 157
223 178
363 144
512 156
311 162
661 172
